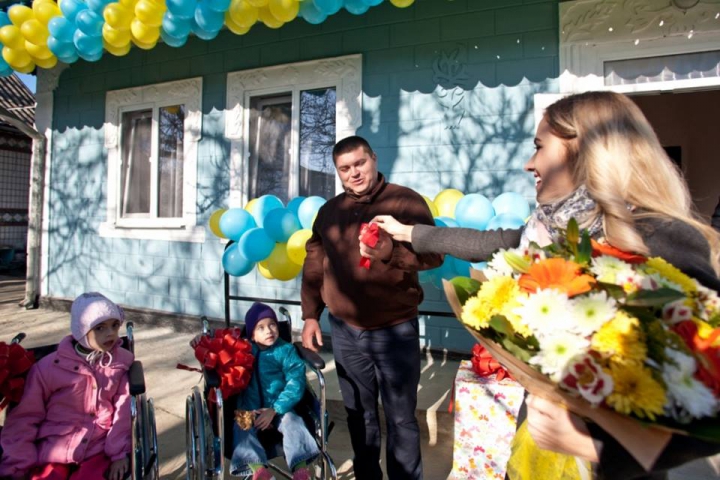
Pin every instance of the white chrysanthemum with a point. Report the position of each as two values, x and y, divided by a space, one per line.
497 266
708 302
591 312
663 282
684 390
557 351
545 312
607 268
677 311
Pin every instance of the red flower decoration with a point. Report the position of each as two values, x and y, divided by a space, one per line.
708 357
485 365
607 249
230 356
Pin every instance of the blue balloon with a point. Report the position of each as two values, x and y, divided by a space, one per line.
5 69
175 26
217 5
447 269
373 3
474 211
62 29
90 23
280 224
356 7
204 34
263 206
328 7
235 263
511 203
60 49
255 244
479 265
294 204
446 222
173 41
505 221
69 58
70 9
308 209
208 19
462 267
4 19
97 5
235 222
92 56
181 8
87 45
310 13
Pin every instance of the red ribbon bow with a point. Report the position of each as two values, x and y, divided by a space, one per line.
15 361
369 235
485 365
230 356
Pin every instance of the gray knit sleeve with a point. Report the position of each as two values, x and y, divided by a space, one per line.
465 243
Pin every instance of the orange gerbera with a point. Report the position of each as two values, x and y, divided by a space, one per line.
708 357
556 273
607 249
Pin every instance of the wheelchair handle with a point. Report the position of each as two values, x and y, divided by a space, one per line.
285 313
18 338
205 325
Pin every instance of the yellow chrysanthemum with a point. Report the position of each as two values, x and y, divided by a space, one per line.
664 269
622 338
476 313
497 296
635 391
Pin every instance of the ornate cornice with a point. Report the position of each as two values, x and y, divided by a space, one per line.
47 80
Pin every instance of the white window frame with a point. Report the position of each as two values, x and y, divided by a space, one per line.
342 73
593 32
183 92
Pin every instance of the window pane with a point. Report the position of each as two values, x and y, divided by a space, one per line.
663 68
135 168
317 138
170 161
270 134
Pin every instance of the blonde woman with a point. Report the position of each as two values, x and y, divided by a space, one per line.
599 161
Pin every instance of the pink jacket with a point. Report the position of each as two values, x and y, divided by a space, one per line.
70 411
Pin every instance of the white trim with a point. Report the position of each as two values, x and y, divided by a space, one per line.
186 92
343 73
593 32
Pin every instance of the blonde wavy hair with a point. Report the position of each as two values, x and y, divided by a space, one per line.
614 151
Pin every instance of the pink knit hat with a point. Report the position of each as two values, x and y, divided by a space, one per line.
88 310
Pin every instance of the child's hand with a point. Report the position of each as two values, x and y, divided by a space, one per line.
117 469
264 418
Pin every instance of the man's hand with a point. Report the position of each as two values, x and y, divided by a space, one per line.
117 469
382 251
264 418
311 333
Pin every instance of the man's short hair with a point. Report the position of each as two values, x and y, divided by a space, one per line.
350 144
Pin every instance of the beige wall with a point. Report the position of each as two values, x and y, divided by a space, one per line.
691 121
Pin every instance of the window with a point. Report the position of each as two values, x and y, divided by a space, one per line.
152 134
283 123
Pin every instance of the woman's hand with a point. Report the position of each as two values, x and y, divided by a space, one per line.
555 428
264 418
118 469
399 231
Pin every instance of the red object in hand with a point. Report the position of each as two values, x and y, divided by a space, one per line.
485 365
369 235
15 361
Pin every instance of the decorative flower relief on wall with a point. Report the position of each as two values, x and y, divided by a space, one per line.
451 77
604 21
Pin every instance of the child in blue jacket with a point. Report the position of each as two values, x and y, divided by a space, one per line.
276 386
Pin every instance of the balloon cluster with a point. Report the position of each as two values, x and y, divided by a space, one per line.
452 208
268 234
72 29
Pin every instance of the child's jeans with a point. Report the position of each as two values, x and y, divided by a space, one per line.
298 445
93 468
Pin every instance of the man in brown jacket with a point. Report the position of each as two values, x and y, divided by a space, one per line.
373 312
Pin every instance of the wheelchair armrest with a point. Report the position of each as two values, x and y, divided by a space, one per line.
310 357
212 379
136 378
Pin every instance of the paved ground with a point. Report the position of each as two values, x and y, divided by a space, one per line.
162 343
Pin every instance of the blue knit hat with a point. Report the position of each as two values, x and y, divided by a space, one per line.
257 312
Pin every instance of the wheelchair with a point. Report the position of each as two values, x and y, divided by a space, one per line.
144 461
206 423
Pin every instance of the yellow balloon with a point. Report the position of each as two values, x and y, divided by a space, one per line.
446 201
402 3
143 45
250 205
215 222
269 19
38 52
116 38
284 10
17 58
243 13
35 32
129 4
20 14
234 27
117 51
46 62
258 3
280 265
45 10
146 34
264 271
296 245
431 205
118 16
150 13
10 36
26 69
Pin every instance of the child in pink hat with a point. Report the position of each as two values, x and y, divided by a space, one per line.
73 421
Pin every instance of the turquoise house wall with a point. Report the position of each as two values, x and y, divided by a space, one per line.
447 103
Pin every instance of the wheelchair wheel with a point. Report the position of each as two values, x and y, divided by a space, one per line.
199 438
145 457
154 457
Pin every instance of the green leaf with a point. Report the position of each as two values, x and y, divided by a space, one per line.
516 350
615 291
653 298
573 232
465 287
501 325
516 262
585 251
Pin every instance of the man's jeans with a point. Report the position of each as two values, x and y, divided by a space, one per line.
298 445
384 361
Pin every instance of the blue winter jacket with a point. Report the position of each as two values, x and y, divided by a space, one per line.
278 379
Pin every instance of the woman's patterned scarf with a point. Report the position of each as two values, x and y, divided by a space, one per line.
555 216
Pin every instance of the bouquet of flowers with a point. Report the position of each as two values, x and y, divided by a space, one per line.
581 320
